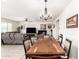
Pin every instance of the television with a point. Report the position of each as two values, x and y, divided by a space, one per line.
30 30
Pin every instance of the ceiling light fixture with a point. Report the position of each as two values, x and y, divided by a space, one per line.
46 16
26 19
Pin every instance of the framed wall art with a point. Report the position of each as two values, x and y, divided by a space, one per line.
49 26
43 26
72 22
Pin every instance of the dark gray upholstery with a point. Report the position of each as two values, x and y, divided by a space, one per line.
12 38
19 37
6 38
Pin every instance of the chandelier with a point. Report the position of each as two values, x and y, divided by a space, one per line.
46 16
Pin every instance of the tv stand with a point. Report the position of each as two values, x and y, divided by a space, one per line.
31 34
42 31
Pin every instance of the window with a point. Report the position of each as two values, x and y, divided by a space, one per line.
9 27
6 27
3 27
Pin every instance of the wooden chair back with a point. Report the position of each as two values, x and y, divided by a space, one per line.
60 39
27 44
67 47
40 36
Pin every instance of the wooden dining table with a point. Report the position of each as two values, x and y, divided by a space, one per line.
45 47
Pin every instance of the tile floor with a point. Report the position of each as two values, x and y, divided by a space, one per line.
12 52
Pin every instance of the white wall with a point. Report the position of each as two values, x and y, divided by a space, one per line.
56 29
70 33
34 24
14 23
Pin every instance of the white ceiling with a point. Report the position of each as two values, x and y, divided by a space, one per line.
32 9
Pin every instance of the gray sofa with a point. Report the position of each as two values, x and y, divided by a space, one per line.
12 38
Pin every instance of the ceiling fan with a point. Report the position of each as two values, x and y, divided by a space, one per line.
27 20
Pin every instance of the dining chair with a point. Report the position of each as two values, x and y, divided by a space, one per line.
67 48
27 44
28 38
60 39
45 57
40 35
33 39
